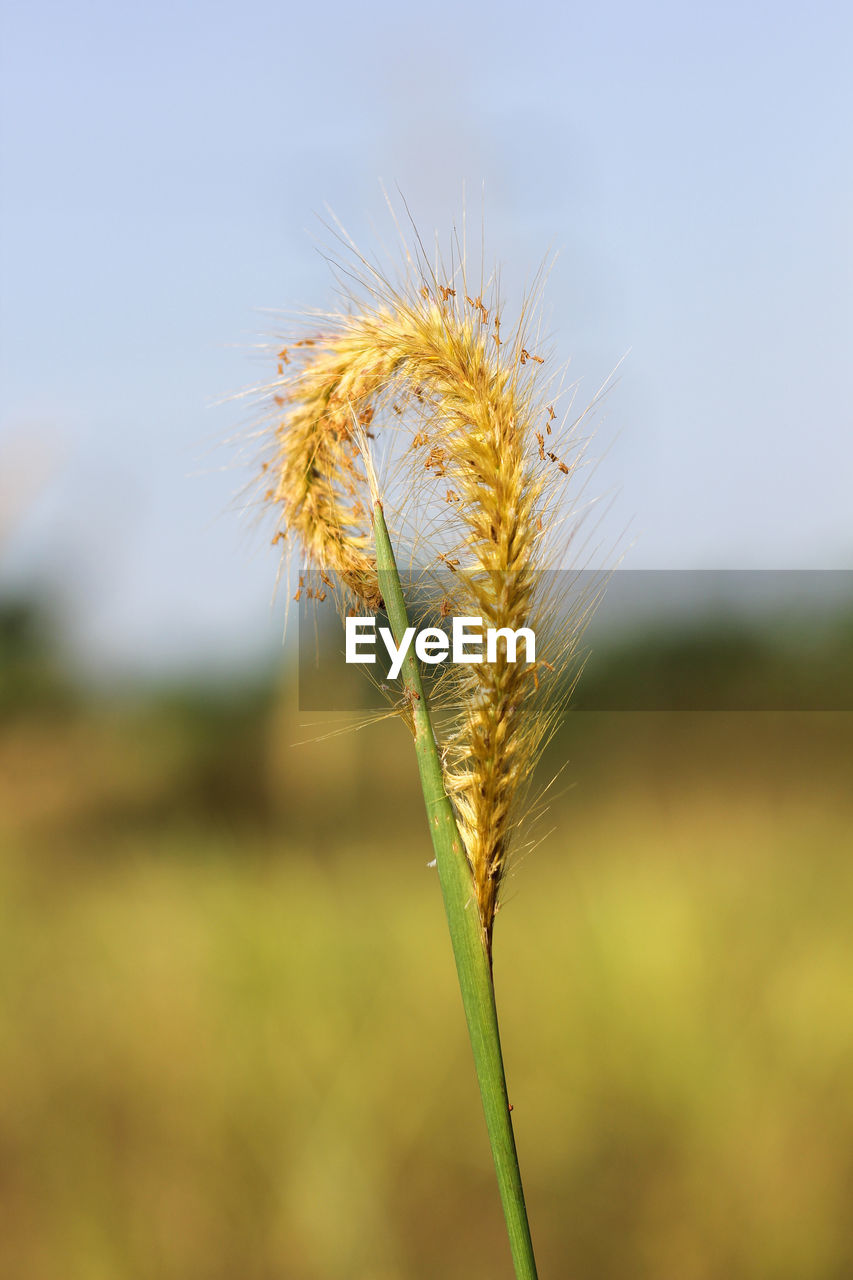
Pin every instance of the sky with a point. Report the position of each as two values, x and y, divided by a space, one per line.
165 171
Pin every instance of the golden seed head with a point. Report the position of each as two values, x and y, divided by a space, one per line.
421 351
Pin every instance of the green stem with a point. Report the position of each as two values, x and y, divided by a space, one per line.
466 934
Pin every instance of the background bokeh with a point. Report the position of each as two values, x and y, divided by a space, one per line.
230 1038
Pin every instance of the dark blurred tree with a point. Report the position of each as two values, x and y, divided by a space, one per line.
32 672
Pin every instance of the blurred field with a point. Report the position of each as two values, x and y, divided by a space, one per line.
231 1043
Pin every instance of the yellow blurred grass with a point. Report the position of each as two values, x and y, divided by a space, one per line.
205 1071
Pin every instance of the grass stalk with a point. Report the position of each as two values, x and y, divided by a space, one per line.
473 965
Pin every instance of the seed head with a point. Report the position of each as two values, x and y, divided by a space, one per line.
435 356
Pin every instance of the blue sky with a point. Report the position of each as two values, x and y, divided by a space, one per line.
162 171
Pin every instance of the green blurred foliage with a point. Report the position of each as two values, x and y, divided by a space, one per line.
32 676
231 1042
733 664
